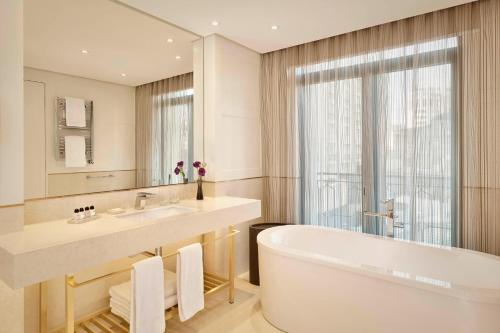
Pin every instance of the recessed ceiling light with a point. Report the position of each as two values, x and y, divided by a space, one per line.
123 74
215 23
170 40
177 57
85 51
274 27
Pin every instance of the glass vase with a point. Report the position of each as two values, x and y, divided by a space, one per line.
199 194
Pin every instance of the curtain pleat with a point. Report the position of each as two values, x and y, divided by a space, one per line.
164 130
281 202
405 110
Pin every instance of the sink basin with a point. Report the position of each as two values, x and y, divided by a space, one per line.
157 213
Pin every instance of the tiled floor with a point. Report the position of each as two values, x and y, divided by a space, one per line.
244 316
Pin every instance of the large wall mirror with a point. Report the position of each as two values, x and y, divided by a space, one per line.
113 98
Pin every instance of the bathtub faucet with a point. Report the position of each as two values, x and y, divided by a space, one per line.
389 217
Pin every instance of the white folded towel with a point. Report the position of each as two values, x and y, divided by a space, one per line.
190 297
147 302
75 112
123 310
120 310
74 151
121 292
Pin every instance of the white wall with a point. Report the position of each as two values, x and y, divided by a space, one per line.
246 188
11 102
198 99
114 119
232 110
35 172
232 129
11 148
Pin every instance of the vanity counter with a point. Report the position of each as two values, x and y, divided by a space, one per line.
46 250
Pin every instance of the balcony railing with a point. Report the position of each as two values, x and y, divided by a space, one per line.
426 212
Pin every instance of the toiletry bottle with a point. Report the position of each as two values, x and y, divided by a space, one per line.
82 214
92 211
76 214
87 211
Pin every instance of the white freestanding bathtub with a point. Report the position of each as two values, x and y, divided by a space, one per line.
316 279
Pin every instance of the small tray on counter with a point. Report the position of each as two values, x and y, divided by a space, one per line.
84 220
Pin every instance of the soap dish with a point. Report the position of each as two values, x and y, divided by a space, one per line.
84 220
115 211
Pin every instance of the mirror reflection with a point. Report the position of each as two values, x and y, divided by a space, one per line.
107 106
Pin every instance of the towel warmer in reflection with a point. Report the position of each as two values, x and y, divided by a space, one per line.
62 130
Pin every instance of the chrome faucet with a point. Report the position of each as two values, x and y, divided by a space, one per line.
142 198
389 217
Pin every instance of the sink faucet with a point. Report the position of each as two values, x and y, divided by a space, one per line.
142 198
389 217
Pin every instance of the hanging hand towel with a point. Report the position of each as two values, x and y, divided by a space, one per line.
74 151
147 313
190 296
75 112
120 295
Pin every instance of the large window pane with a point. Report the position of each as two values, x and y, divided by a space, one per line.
333 164
416 109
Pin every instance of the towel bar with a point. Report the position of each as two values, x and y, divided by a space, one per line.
106 322
74 284
97 177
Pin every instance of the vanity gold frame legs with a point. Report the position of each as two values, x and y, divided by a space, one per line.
231 265
69 304
43 308
212 283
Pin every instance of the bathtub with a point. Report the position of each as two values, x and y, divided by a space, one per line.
315 279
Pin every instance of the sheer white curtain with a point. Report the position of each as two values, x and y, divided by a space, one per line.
164 130
380 126
389 112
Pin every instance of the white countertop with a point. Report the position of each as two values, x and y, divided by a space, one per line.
46 250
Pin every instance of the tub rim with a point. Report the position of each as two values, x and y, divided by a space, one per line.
463 292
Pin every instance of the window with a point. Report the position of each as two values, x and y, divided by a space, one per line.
378 126
173 135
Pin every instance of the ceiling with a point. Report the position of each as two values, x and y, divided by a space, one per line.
249 22
118 40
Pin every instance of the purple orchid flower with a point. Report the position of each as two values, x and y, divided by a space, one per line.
201 172
177 171
197 164
180 164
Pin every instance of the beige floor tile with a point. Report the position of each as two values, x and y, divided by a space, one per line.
244 316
